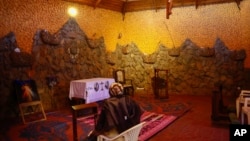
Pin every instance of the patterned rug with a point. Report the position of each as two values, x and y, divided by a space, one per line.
58 126
154 123
164 106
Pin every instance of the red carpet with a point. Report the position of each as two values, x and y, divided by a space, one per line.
58 126
154 123
164 106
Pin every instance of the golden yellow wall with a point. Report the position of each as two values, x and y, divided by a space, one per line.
146 29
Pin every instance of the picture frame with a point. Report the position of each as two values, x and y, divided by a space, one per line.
26 91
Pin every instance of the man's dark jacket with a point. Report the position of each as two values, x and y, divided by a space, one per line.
120 112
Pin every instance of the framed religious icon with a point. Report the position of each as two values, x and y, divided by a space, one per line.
30 106
26 91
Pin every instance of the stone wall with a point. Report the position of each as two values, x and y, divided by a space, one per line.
69 54
192 69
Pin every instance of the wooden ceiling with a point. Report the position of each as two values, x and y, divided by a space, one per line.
124 6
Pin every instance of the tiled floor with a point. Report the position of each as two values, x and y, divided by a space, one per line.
195 125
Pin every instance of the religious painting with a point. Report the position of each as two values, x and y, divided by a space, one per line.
26 91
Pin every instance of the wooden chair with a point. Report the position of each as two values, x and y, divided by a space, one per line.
131 134
160 83
83 110
219 110
127 84
30 106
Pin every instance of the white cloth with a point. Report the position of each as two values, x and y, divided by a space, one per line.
92 90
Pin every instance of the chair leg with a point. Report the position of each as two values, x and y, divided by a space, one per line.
237 107
248 118
22 114
44 115
74 120
132 91
38 105
242 117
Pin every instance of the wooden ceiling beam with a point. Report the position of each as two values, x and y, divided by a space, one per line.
84 2
97 2
238 3
155 5
196 3
115 5
123 9
140 5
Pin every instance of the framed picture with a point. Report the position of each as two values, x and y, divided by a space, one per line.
26 91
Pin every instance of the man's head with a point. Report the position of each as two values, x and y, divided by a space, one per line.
115 89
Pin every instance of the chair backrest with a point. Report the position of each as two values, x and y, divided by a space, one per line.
244 94
246 102
119 76
82 110
131 134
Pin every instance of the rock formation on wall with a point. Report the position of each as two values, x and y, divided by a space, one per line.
192 69
69 54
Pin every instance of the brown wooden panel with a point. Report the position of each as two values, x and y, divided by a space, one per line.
84 2
115 5
139 5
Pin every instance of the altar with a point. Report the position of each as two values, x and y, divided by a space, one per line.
91 90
